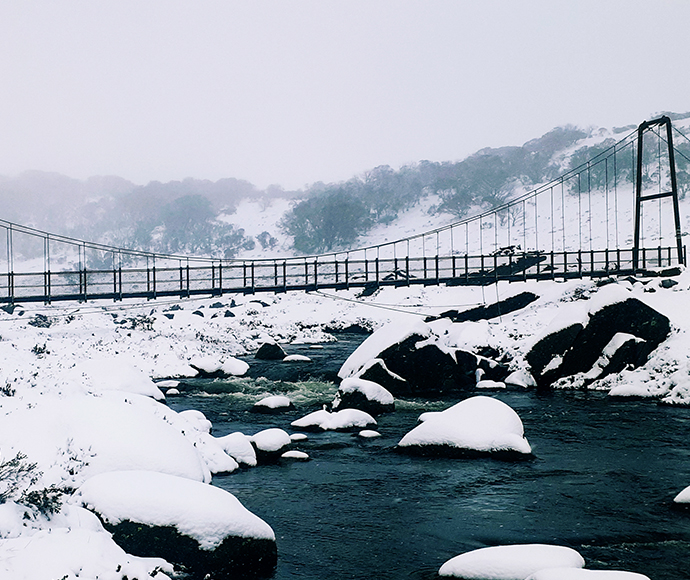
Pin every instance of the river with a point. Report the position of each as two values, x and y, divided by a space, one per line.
603 479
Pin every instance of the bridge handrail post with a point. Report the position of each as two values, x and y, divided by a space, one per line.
188 294
220 278
579 262
437 270
553 265
496 267
120 279
565 265
153 272
84 271
524 270
46 290
347 272
453 263
316 276
377 269
285 275
467 268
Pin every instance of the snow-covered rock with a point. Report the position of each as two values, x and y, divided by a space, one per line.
343 420
489 384
365 395
619 331
209 367
583 574
295 455
296 358
273 404
270 444
141 508
476 425
515 562
270 351
238 446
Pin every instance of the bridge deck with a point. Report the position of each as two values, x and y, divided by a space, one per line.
309 274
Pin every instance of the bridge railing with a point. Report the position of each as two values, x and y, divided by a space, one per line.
215 279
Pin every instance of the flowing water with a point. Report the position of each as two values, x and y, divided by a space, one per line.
603 479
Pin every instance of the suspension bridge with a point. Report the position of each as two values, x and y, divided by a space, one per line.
592 221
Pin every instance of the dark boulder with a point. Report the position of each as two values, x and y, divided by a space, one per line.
427 369
581 347
494 310
364 395
493 371
270 351
235 557
629 316
377 372
554 344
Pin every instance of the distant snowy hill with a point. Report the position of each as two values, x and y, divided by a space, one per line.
231 218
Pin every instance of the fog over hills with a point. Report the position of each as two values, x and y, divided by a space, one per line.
233 218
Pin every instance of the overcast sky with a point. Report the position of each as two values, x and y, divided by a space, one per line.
293 92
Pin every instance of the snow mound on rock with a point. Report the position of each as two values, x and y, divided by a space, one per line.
515 562
239 447
345 419
479 423
271 440
582 574
274 402
371 390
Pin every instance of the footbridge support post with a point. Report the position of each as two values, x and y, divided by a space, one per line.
673 193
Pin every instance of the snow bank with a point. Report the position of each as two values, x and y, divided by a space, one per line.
206 513
515 562
479 424
345 419
115 374
81 435
74 553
